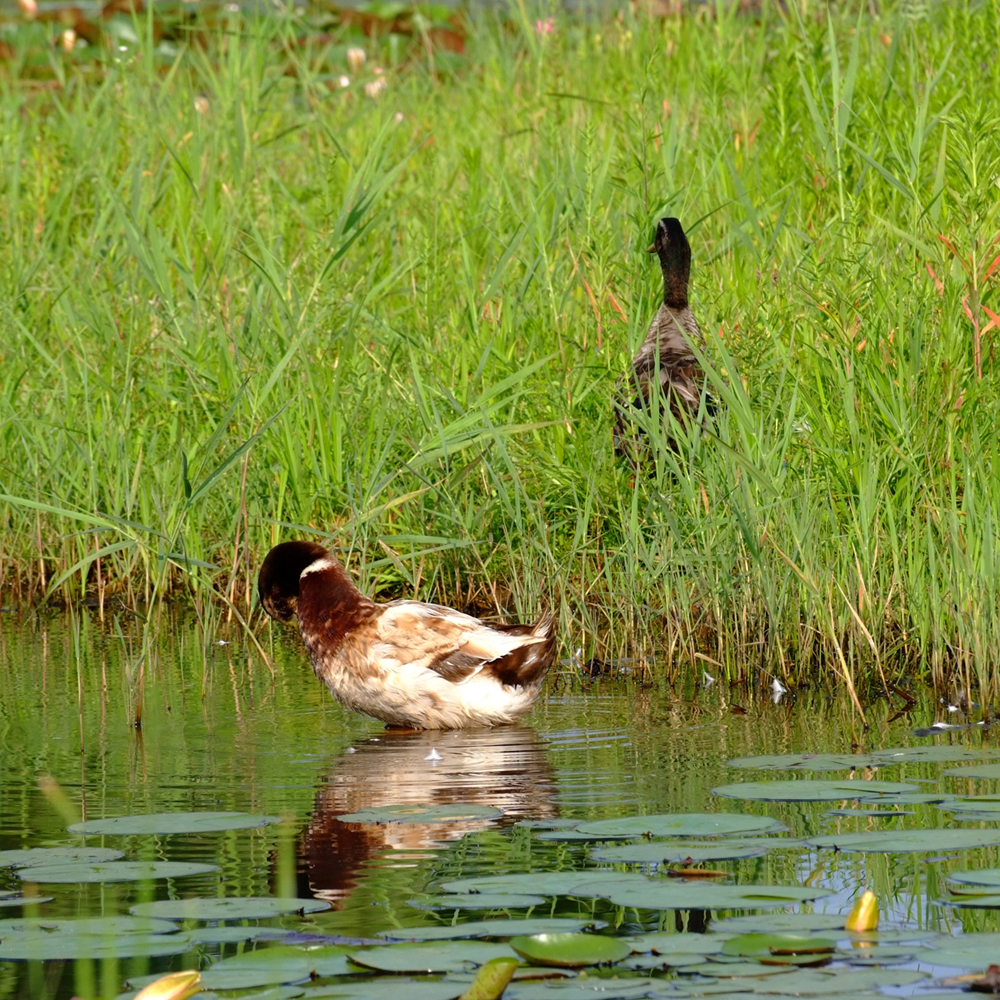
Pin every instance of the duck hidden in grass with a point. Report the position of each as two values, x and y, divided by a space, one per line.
664 374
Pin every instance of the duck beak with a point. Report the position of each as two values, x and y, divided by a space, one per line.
651 248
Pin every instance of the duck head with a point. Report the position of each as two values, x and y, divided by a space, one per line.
674 252
278 580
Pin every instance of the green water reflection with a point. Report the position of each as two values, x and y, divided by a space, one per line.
220 732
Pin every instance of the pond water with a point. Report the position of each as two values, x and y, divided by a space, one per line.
221 734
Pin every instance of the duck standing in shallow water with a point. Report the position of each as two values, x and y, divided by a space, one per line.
416 665
664 368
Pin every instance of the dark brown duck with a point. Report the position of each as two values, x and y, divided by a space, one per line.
664 373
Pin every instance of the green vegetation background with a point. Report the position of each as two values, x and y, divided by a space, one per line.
241 302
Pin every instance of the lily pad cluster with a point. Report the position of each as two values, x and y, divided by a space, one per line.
594 928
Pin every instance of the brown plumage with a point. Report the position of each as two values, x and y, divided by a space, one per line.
406 662
664 369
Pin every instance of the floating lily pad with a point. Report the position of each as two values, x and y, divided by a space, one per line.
676 943
972 901
804 762
422 814
478 901
570 837
932 754
659 852
898 841
492 928
114 871
549 824
178 822
427 957
57 855
649 962
23 900
224 934
571 951
732 970
49 946
104 926
775 944
542 883
843 982
987 810
868 813
275 965
681 894
982 876
682 825
396 988
808 790
908 798
776 922
227 908
976 771
591 988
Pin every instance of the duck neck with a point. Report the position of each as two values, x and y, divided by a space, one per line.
676 268
330 605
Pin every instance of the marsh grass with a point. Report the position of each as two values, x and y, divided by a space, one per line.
241 303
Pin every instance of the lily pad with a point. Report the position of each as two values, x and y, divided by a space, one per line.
542 883
682 825
422 814
733 970
492 928
868 813
478 901
396 988
591 988
23 900
227 907
114 871
51 946
657 853
178 822
109 928
570 951
908 798
804 762
981 876
931 754
795 923
986 809
808 790
428 957
771 945
972 901
29 856
976 771
843 982
677 944
700 895
899 841
276 965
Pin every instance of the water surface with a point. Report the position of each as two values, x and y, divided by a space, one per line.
220 732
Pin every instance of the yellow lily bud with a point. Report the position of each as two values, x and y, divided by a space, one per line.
176 986
863 915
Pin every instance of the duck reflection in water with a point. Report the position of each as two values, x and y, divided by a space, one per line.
505 767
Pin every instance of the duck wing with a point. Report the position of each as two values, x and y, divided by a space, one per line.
458 646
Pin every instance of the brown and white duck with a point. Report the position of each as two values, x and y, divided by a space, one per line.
664 369
411 664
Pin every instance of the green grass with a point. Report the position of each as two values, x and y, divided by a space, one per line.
397 324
